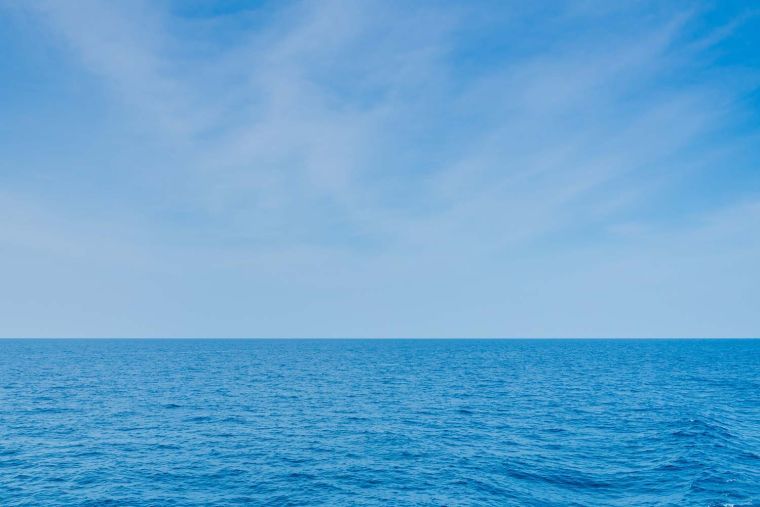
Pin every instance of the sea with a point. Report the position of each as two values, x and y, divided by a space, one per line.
379 422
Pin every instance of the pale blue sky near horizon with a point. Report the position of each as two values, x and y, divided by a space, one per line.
365 168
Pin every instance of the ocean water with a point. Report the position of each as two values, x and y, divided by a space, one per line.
352 422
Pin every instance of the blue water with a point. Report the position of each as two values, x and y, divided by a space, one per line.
202 422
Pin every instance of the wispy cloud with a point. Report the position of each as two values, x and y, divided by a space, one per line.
380 154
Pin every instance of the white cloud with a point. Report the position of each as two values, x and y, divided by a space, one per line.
341 160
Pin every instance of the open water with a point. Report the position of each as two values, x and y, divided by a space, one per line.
387 422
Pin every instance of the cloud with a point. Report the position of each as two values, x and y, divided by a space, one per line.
456 167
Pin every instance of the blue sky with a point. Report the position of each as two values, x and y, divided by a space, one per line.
379 168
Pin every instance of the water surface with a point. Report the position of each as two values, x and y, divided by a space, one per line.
438 422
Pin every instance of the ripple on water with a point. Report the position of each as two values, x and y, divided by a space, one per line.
304 422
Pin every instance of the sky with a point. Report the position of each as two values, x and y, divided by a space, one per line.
352 168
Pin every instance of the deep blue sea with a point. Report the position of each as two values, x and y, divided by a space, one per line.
386 422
